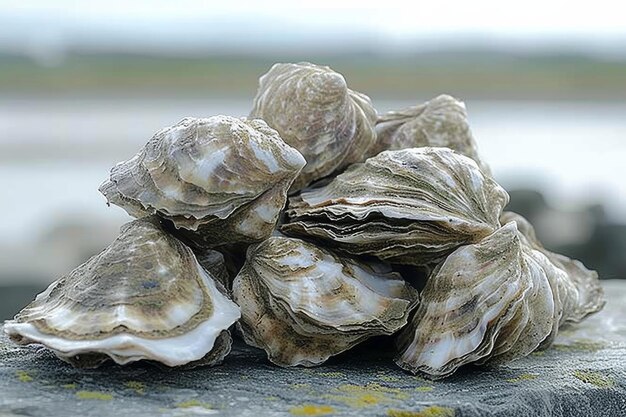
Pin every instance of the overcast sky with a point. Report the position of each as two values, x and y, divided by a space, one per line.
154 25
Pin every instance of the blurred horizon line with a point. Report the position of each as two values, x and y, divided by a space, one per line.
50 52
482 72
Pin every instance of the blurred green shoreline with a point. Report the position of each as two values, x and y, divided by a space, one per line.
468 73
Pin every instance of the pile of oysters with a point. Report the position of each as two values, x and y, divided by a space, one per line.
310 226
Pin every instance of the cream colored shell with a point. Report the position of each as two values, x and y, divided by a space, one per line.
496 300
314 111
424 201
303 304
145 297
411 206
581 294
217 180
440 122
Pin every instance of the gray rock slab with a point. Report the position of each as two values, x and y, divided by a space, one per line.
583 374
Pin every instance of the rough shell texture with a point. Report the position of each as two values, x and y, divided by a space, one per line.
581 294
218 180
495 301
144 297
315 112
214 263
303 304
440 122
411 206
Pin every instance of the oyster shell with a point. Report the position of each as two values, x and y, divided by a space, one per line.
214 263
314 111
144 297
440 122
496 300
581 294
218 180
303 304
411 206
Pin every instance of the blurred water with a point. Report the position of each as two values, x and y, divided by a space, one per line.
54 153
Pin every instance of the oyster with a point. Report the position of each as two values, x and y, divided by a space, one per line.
315 112
214 263
411 206
143 297
303 304
581 293
496 300
440 122
218 180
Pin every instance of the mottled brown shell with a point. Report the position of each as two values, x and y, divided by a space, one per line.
303 304
314 111
143 297
218 180
440 122
411 206
493 301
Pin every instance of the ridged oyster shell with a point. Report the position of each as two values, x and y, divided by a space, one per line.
218 180
303 304
213 262
314 111
440 122
144 297
411 206
496 300
582 293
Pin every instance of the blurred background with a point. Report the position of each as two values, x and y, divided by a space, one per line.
84 85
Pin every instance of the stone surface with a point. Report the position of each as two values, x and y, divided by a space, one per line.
583 374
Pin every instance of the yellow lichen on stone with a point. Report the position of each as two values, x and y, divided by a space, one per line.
69 386
93 395
358 396
331 374
23 376
312 410
594 378
582 345
138 387
388 378
432 411
194 403
522 377
424 389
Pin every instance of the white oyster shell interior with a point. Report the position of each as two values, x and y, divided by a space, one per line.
144 297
